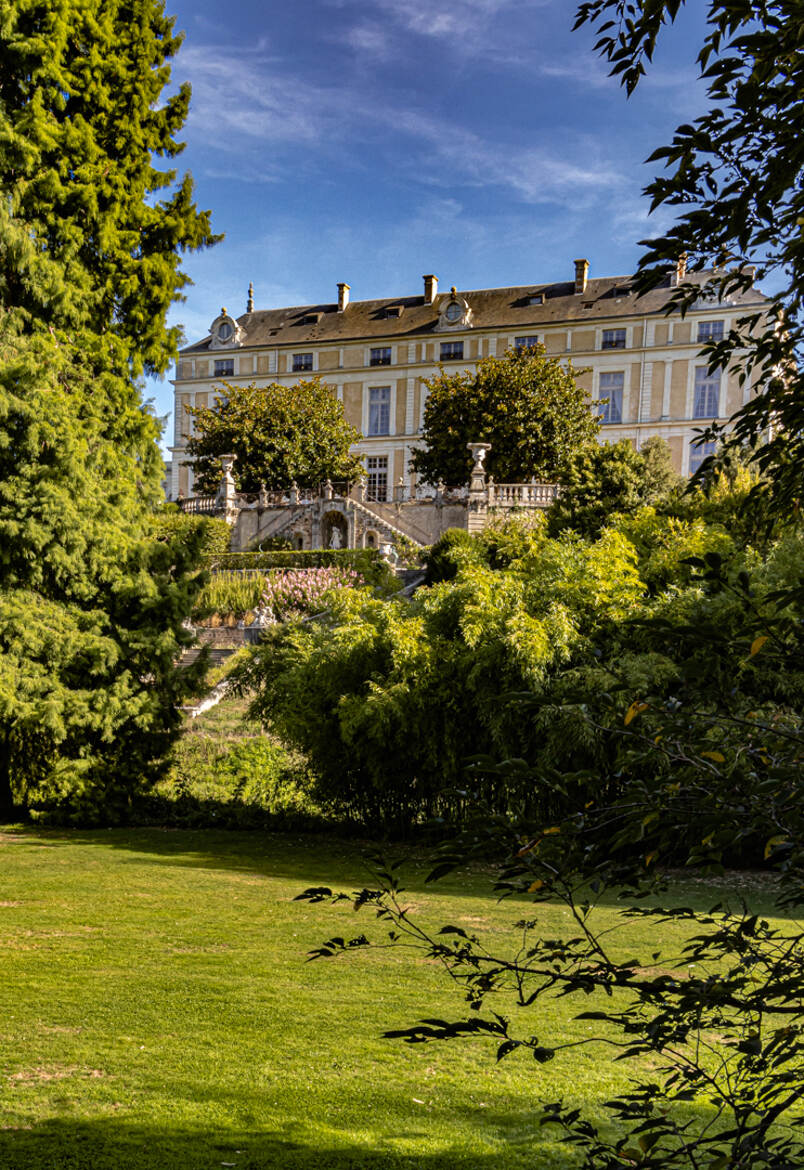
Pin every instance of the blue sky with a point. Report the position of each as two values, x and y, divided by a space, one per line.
477 139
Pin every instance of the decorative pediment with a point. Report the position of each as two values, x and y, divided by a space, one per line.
454 313
225 333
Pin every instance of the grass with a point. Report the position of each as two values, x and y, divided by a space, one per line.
157 1011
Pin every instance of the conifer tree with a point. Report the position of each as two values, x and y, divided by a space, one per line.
91 605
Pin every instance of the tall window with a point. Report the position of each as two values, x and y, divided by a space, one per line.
302 361
451 351
224 368
710 330
377 469
613 339
525 342
380 356
379 419
611 387
707 393
699 452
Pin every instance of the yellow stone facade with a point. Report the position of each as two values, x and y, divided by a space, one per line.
377 355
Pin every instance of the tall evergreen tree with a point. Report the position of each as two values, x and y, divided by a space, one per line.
91 606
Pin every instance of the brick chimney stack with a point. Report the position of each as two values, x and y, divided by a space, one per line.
430 289
581 274
681 268
343 296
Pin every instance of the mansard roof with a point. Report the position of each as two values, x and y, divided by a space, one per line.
522 307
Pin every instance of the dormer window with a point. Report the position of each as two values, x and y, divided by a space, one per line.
393 310
225 333
312 318
453 312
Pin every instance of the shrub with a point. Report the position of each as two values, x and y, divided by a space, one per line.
454 550
251 782
294 592
169 523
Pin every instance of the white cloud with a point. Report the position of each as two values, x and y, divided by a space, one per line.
278 124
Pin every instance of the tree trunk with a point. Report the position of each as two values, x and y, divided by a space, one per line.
8 806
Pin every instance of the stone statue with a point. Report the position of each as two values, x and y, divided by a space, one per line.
336 539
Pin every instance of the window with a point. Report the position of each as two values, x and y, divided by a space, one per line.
451 351
380 357
379 419
377 469
710 330
611 387
225 331
525 342
706 403
302 361
613 339
699 452
224 368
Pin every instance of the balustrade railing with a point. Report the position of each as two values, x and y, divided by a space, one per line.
196 504
522 495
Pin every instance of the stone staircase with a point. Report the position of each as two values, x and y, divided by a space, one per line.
379 516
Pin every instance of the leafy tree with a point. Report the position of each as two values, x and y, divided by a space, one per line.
661 479
707 773
278 433
84 116
734 173
602 480
91 605
526 405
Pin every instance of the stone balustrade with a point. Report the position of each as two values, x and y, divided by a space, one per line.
521 495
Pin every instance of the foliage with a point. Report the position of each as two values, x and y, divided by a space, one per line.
365 561
455 549
280 434
224 775
170 523
526 405
230 592
286 593
409 690
707 772
612 478
734 174
91 606
409 554
298 592
87 241
502 541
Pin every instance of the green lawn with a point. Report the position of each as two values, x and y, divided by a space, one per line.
158 1012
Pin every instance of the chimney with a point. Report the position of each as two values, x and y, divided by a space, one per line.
681 268
343 296
430 289
250 301
581 273
750 271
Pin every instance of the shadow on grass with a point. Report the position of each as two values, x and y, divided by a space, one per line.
58 1144
345 863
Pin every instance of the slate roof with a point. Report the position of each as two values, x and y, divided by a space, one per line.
492 308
